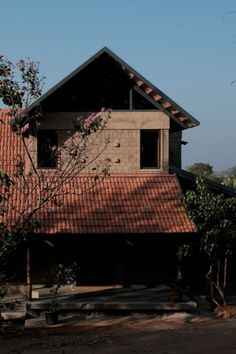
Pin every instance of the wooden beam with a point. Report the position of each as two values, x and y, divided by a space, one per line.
137 81
127 72
174 111
166 104
183 119
155 96
147 89
131 75
28 275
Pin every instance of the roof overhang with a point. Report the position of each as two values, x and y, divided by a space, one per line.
212 185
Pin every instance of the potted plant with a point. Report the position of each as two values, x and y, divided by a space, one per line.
178 288
3 293
64 275
11 319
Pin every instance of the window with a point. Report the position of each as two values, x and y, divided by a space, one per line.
47 149
149 148
140 102
115 97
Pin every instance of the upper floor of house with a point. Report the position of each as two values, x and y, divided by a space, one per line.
144 129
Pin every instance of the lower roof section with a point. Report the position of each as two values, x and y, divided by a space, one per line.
119 204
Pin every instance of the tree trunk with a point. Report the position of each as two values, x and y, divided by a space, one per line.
218 273
209 281
179 264
225 273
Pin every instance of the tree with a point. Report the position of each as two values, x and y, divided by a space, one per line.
201 169
215 217
20 85
228 180
227 177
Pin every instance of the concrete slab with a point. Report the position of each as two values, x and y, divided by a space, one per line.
13 309
126 299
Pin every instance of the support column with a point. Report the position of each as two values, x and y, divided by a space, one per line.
28 275
179 264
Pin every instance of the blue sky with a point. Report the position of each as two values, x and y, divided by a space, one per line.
186 48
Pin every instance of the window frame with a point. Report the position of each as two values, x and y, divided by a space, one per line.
143 165
46 166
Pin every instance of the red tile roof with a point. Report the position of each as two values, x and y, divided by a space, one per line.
10 145
145 203
120 204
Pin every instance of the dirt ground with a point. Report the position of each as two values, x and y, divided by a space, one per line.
136 333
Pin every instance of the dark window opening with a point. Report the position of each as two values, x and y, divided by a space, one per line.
47 151
115 97
150 148
141 103
84 99
101 83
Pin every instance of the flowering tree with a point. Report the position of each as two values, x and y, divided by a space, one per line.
37 189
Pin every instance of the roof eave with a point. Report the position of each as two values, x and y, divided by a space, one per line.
211 184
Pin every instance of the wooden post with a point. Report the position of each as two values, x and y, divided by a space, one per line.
28 275
179 264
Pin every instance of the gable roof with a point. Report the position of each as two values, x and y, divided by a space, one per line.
142 203
151 92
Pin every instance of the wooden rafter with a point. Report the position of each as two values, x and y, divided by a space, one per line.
166 104
183 119
147 89
155 96
131 75
174 111
139 83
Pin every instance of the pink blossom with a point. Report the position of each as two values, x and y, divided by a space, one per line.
104 109
6 72
78 119
20 64
90 120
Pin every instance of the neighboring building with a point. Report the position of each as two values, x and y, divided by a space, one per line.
126 229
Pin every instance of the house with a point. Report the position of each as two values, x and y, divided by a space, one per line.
127 228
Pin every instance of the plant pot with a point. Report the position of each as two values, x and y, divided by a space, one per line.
1 320
176 296
14 325
51 317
